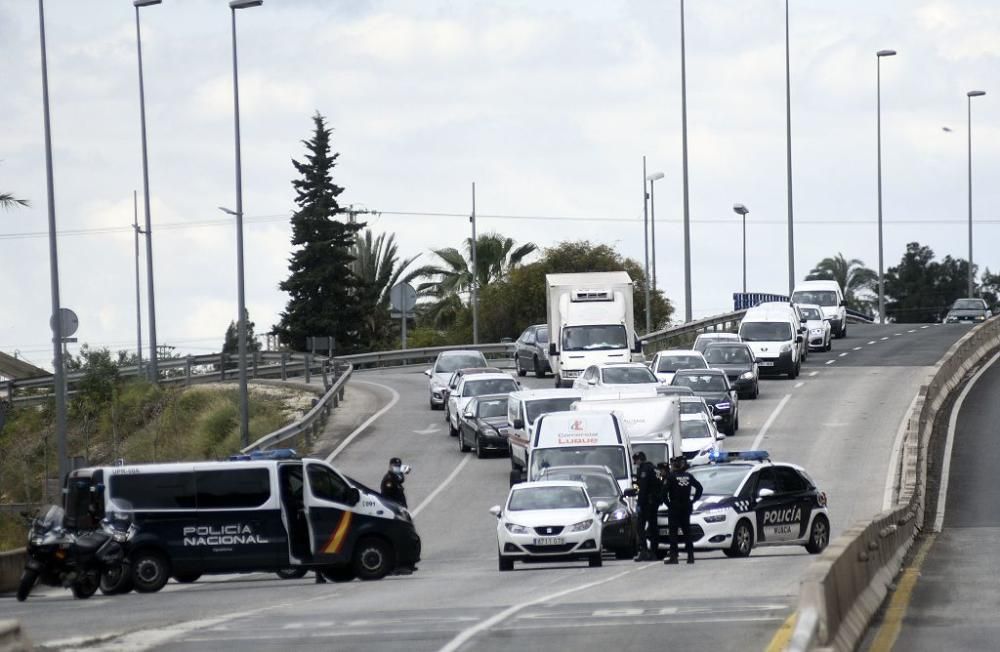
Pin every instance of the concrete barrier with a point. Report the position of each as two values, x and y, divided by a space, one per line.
12 639
11 565
844 588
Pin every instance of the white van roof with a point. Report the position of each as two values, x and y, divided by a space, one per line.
770 313
540 394
577 429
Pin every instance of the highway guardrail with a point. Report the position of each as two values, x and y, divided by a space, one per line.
842 590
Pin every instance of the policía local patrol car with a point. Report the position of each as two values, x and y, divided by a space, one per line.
748 501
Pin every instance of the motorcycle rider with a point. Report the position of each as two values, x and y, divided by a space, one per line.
392 482
647 504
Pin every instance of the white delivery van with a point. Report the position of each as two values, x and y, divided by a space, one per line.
799 318
830 297
773 336
590 321
523 409
580 438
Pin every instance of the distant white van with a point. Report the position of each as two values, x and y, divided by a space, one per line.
830 297
774 337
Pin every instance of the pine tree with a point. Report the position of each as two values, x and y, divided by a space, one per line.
231 343
322 288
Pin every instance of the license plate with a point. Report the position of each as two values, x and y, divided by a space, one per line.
549 541
761 363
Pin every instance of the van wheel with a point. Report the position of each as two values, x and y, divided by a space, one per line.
291 573
373 559
538 369
116 580
339 573
596 561
742 540
517 366
186 578
150 571
504 563
819 535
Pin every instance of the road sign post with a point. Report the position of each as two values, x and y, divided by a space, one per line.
403 298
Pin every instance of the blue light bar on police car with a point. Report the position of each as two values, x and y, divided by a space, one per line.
721 457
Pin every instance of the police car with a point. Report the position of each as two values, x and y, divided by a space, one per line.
749 501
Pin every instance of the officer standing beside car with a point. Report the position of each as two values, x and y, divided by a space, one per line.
392 481
679 499
647 504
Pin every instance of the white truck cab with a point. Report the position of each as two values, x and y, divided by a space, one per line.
829 296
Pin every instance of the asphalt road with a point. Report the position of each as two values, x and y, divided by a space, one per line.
955 603
838 420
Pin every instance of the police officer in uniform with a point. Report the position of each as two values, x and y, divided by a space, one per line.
677 494
392 482
647 504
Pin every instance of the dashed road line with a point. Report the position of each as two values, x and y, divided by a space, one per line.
872 342
843 354
897 334
797 385
857 348
884 338
830 361
813 373
912 330
923 327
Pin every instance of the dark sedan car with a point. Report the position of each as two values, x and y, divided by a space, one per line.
713 386
968 311
531 351
618 532
737 360
484 427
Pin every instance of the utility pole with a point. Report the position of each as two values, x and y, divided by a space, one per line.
138 298
475 272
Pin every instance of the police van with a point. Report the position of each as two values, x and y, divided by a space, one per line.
243 516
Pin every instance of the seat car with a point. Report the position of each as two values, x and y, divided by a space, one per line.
457 377
713 386
475 385
819 332
705 339
484 427
549 521
666 363
618 520
748 501
531 351
615 374
737 360
445 364
967 311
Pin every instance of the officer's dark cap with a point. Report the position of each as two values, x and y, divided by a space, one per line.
395 461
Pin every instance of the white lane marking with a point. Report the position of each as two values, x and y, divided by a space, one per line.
797 385
884 338
896 334
897 444
369 421
923 327
952 422
872 342
430 429
466 634
857 348
830 361
767 424
912 330
813 373
843 354
441 486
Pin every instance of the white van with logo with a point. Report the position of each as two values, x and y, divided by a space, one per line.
523 409
830 297
773 334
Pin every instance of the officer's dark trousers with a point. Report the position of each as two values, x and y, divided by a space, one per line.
680 521
648 529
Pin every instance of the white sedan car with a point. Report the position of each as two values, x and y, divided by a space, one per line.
699 438
548 521
475 385
666 363
615 375
818 329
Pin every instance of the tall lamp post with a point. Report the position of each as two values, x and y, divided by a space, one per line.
684 156
645 238
653 178
475 271
153 368
970 95
788 157
741 210
878 122
241 295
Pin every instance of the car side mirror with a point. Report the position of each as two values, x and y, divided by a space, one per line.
592 381
427 372
601 505
802 329
469 414
765 493
552 349
717 418
630 493
353 496
496 511
798 339
719 436
518 424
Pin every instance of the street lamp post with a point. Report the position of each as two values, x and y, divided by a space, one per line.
138 296
878 122
645 238
653 178
475 271
970 95
741 210
684 156
788 157
153 368
241 295
59 379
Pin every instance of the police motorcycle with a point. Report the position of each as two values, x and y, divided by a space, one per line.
74 560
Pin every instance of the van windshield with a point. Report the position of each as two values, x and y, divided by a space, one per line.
612 457
766 331
594 338
537 408
656 452
826 298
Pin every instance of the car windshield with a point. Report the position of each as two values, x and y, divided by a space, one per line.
542 336
450 363
732 355
489 386
537 408
826 298
656 452
968 304
693 407
811 313
612 457
701 382
671 363
598 485
496 407
547 498
627 376
720 480
695 430
765 331
594 338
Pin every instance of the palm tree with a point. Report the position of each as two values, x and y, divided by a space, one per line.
495 257
852 275
8 201
378 268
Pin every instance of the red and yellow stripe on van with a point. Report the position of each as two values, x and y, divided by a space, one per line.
336 541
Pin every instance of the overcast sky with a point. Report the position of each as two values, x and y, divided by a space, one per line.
547 105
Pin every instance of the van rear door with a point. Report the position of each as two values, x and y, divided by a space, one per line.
329 501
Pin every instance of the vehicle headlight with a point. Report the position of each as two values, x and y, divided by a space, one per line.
36 541
581 526
723 405
980 317
714 516
746 375
785 348
514 528
119 536
617 515
817 331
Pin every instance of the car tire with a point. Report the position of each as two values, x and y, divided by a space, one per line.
477 449
452 430
339 574
736 424
517 365
373 559
504 563
117 581
539 372
595 560
756 390
86 586
150 571
819 535
291 573
742 540
462 448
